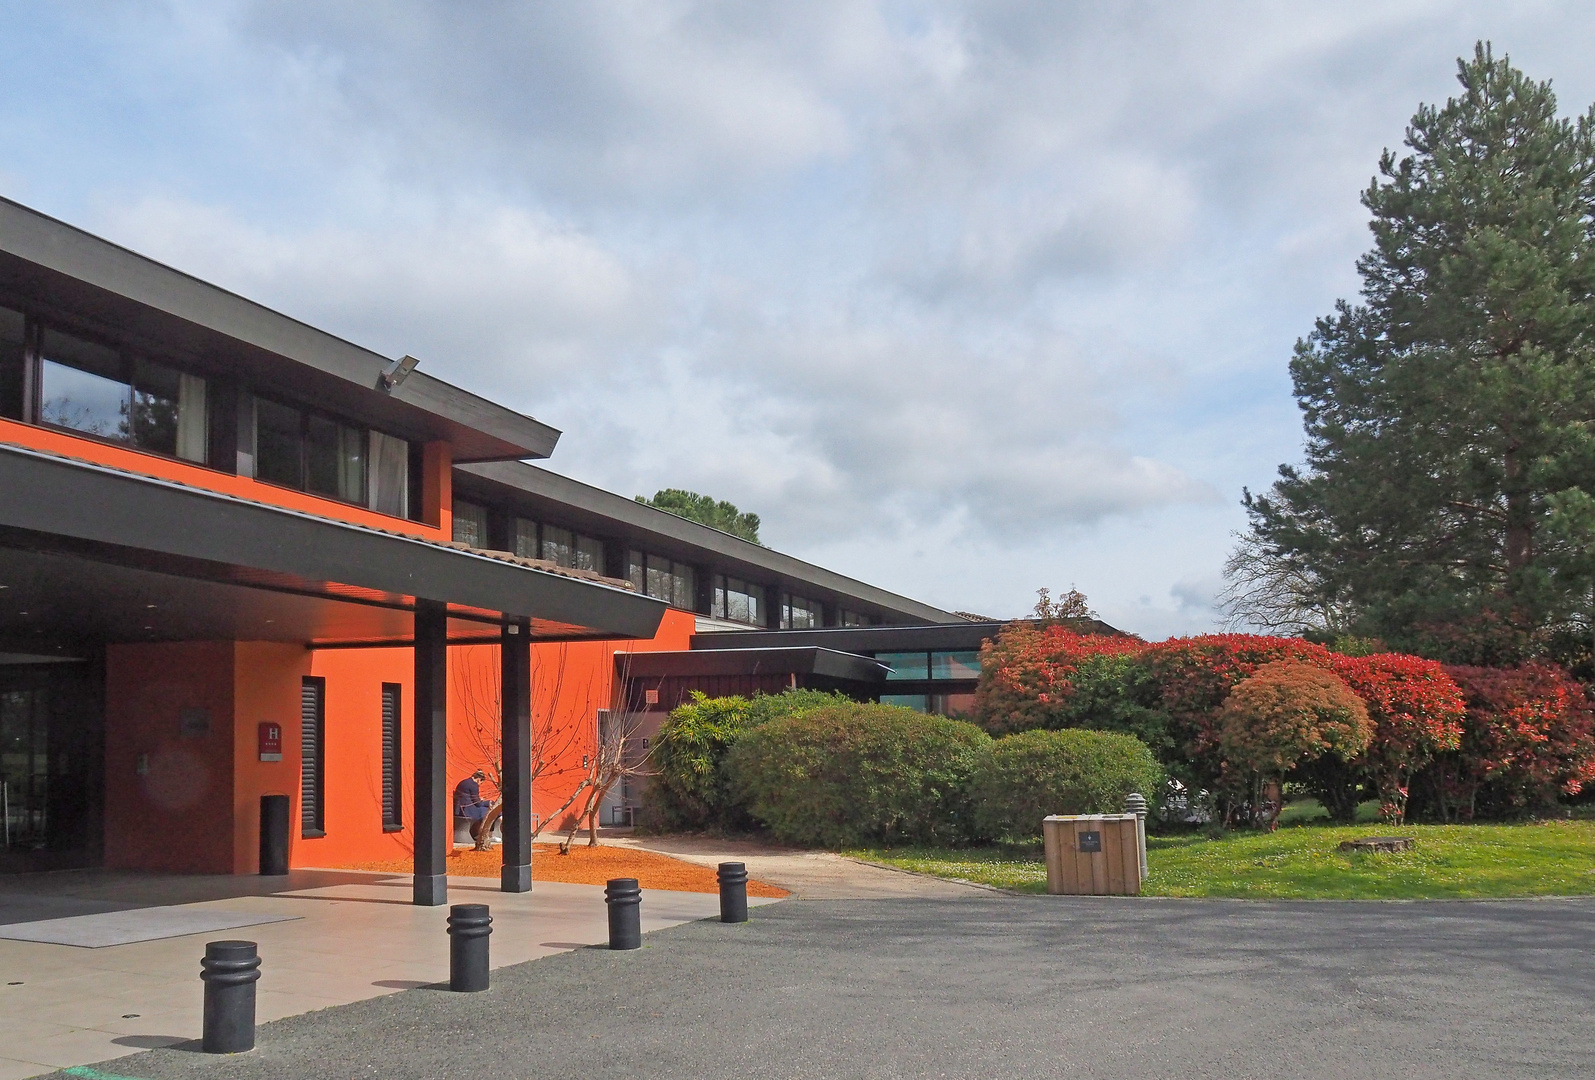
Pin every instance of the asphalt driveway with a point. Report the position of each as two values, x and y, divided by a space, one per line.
996 986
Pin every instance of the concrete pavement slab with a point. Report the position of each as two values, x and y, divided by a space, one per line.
997 986
342 937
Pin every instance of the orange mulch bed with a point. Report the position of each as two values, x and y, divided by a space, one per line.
588 866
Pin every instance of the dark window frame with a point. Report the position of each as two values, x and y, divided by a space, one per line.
128 359
814 607
689 583
486 521
536 532
313 825
306 413
720 603
392 757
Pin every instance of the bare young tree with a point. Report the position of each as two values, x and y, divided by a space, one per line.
558 723
620 754
1069 605
1272 592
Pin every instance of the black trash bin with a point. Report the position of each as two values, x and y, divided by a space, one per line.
273 835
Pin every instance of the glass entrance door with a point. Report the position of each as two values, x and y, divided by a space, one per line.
49 767
25 768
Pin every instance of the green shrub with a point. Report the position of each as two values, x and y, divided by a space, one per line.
1027 776
853 774
688 787
764 707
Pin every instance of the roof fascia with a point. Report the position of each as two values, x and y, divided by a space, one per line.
644 523
483 429
193 532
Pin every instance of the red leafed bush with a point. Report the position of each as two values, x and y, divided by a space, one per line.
1287 714
1194 675
1529 737
1025 674
1286 718
1417 712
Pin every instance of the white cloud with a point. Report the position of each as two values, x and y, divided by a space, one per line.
961 298
509 300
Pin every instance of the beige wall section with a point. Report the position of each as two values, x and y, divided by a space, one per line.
266 680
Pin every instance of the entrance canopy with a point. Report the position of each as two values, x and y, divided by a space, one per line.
89 552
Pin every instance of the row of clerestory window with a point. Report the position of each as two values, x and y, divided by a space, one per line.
733 599
56 379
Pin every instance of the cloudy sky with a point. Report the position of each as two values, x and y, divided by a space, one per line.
962 299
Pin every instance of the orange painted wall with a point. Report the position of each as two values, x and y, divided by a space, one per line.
197 807
570 683
177 812
266 681
353 758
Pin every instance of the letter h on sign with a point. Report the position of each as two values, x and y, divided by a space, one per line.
270 738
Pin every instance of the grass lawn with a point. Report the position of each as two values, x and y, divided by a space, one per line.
1304 862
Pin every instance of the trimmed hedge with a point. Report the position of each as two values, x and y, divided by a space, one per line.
1025 777
688 787
857 774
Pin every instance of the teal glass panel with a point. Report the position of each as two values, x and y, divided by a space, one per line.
955 665
905 665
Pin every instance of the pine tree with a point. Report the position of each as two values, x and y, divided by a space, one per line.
706 510
1450 462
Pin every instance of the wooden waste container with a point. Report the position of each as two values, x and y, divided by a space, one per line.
1092 855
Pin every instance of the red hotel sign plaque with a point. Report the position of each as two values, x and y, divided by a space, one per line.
270 736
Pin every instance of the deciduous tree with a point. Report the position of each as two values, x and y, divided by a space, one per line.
1285 716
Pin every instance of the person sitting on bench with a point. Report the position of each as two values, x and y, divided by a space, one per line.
469 804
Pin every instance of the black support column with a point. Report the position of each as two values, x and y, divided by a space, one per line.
434 825
515 696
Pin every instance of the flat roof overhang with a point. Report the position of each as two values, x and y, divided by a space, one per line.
90 548
960 636
541 491
89 284
801 660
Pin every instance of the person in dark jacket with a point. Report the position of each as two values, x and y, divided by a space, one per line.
468 802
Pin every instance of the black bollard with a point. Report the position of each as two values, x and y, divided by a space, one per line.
625 913
273 835
230 970
469 925
733 892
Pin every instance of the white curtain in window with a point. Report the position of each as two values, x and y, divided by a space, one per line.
526 539
192 430
352 465
390 475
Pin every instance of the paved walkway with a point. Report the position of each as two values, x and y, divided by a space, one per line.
809 875
996 986
353 936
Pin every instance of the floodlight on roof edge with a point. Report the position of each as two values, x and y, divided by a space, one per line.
397 372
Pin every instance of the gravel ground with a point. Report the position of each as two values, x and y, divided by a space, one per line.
808 875
589 866
996 986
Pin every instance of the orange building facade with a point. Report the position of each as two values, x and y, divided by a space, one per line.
243 561
188 802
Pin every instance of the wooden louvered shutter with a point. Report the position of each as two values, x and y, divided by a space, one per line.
392 815
312 760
